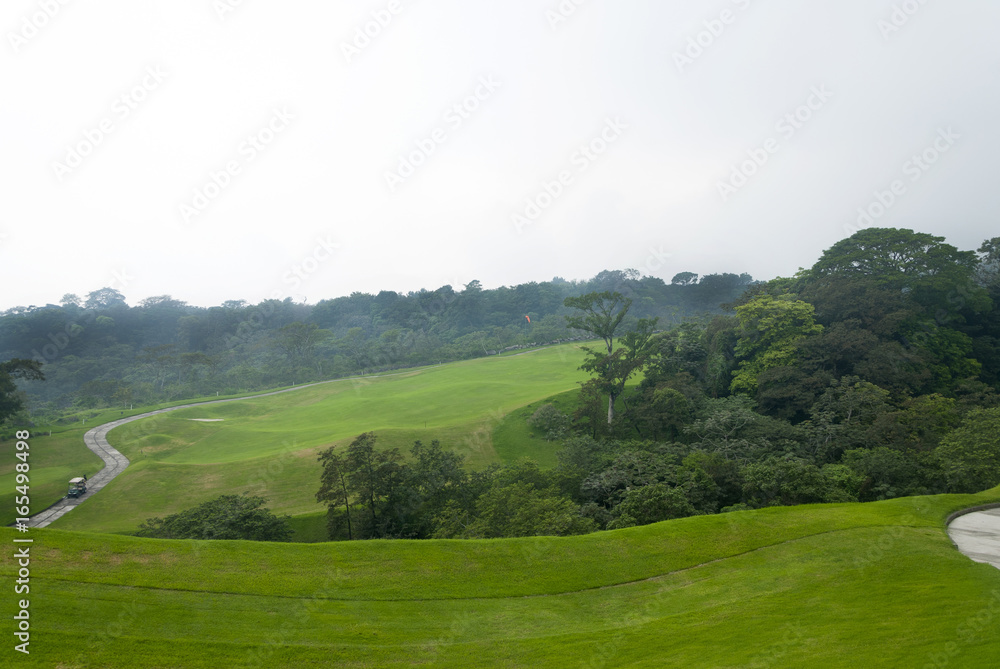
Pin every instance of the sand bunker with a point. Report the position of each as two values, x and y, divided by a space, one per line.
207 420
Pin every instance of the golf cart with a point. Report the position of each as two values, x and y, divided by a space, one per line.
77 486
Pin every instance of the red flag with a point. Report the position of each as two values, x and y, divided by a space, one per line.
529 318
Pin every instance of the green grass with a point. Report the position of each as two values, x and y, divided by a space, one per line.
53 461
268 446
309 528
513 438
59 454
874 585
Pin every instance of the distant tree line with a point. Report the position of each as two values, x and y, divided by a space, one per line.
97 351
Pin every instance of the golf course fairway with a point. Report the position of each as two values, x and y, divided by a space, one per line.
848 585
268 445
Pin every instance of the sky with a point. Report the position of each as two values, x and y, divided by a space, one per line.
218 150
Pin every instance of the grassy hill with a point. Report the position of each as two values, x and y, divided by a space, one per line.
874 585
268 445
849 585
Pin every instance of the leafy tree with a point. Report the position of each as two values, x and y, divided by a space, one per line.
104 298
838 349
682 350
720 344
896 280
724 426
988 269
898 258
947 354
602 314
520 510
10 401
843 417
790 481
590 414
162 359
551 421
470 307
225 517
717 289
583 455
886 473
919 424
769 330
335 488
613 370
71 300
438 478
970 455
300 339
376 479
789 392
651 504
356 346
660 413
630 469
725 475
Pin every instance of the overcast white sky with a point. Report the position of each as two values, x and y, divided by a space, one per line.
173 89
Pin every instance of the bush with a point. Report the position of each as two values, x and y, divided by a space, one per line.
651 504
520 510
554 423
225 517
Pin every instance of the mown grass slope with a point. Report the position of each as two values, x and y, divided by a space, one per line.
874 585
268 445
53 461
514 438
58 454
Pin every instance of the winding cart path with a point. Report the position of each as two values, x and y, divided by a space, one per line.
977 535
115 463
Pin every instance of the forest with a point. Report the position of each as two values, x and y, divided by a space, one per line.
872 375
97 351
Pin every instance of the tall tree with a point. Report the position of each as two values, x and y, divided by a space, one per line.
988 269
16 368
614 370
299 339
684 279
602 314
104 298
769 330
334 487
895 257
375 477
916 267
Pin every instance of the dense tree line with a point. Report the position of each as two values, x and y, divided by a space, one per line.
375 494
99 351
872 375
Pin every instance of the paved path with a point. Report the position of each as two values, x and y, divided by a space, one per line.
977 535
115 463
